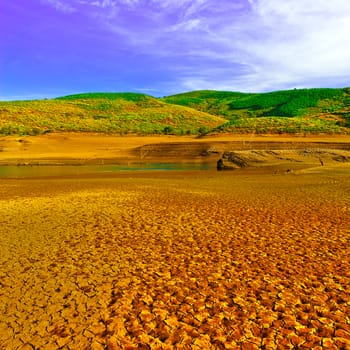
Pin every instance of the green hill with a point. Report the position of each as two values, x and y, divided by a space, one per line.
103 112
196 112
299 110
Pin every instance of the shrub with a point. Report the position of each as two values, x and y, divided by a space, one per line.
168 130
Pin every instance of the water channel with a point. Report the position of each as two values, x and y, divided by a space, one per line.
30 171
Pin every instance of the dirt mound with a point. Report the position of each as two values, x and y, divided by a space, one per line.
307 157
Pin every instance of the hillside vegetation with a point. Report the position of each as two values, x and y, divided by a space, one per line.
103 112
291 111
198 112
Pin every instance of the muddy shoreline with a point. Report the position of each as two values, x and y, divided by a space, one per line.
78 149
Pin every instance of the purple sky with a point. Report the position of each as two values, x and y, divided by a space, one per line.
50 48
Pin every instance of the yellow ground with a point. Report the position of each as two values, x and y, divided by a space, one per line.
102 149
186 260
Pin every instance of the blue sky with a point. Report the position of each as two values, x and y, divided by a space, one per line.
50 48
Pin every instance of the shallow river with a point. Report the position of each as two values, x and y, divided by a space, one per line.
13 171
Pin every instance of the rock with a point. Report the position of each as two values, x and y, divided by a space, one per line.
235 159
221 166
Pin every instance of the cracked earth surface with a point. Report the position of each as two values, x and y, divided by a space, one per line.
192 261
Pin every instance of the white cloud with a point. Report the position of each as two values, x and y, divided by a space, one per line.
179 4
246 45
298 41
61 6
294 43
187 25
104 3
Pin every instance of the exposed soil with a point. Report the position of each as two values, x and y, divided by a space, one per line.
256 258
70 148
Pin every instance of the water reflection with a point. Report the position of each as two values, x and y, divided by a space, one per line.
13 171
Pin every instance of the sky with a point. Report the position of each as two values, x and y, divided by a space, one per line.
51 48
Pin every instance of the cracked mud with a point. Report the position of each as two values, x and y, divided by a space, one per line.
189 261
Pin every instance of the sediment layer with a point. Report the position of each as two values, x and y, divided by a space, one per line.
70 148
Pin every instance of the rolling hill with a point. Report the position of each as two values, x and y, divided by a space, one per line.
122 113
291 111
299 111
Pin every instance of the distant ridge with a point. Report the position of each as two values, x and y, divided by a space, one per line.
128 96
196 112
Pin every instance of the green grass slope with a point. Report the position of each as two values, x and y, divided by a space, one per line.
103 112
293 111
197 112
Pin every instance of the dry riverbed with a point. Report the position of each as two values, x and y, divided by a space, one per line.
186 260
